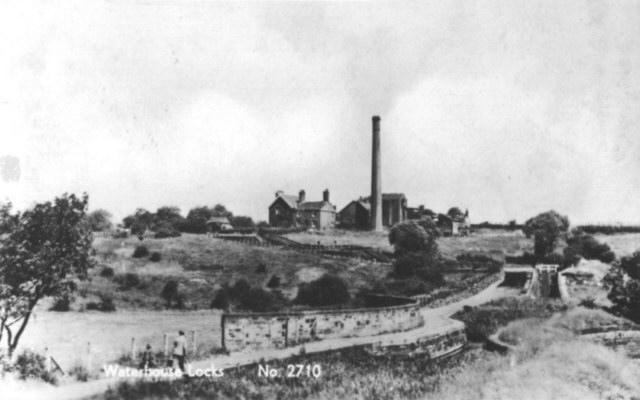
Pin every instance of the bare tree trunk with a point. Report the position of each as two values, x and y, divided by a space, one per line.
9 335
25 320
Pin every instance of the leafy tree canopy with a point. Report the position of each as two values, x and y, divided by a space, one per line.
99 220
455 212
546 229
408 236
43 251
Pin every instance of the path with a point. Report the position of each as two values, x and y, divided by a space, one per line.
436 321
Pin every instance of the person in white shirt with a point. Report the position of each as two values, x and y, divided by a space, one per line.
180 350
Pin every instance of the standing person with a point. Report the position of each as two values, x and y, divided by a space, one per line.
180 350
148 358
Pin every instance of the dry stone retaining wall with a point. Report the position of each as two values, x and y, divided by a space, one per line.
280 330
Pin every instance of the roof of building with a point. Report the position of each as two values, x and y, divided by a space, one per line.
313 205
362 204
218 220
385 196
290 199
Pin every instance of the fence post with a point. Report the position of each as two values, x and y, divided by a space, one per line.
89 356
193 338
133 348
166 344
47 360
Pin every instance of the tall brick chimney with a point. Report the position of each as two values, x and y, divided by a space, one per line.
301 196
376 182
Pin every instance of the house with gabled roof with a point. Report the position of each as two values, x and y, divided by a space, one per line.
291 211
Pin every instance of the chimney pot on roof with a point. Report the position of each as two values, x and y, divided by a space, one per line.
301 196
325 195
278 193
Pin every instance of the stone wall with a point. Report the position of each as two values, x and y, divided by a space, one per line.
281 330
435 345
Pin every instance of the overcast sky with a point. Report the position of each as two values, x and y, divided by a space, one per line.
507 108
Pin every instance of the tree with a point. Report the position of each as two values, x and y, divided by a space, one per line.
455 213
546 228
631 265
167 215
624 288
139 222
171 294
221 211
241 221
580 245
196 221
408 236
99 220
42 252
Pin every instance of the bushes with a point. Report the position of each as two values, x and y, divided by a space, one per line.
485 320
240 289
328 290
167 231
106 304
631 265
128 281
408 287
417 265
80 372
248 298
155 257
120 234
274 282
624 289
260 300
62 304
586 246
478 261
140 251
261 269
32 365
171 295
107 272
221 301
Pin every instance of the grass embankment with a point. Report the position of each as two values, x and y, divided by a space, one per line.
486 241
201 265
550 362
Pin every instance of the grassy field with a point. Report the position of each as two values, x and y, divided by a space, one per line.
623 244
489 241
72 337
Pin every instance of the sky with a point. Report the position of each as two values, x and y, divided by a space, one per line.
506 108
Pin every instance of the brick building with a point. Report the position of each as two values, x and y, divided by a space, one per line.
291 211
357 214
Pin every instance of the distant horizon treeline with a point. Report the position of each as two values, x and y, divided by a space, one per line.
606 229
167 221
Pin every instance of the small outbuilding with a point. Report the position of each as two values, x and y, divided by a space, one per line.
218 224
